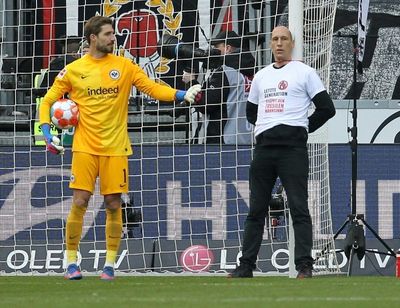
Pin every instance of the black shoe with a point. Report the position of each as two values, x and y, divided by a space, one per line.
242 271
305 272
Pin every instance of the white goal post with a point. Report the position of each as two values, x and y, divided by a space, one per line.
188 202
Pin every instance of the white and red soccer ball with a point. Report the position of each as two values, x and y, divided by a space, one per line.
64 113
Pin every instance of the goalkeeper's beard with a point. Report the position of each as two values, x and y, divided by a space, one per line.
105 48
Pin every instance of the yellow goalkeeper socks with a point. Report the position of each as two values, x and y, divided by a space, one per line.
71 257
113 235
74 231
111 256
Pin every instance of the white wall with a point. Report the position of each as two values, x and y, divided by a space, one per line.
370 115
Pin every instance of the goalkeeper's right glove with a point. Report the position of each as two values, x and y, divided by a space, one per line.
52 142
192 95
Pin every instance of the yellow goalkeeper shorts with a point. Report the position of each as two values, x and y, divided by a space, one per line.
112 171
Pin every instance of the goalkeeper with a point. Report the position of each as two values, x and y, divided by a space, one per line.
100 83
278 103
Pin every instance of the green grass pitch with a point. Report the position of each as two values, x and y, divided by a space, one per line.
204 291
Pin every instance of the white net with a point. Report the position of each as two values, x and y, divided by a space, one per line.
317 40
188 199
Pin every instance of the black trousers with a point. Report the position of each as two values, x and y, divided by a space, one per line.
291 165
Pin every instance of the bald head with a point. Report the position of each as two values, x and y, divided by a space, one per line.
282 45
282 30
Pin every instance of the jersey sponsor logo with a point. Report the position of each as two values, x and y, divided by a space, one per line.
62 73
103 91
282 85
114 74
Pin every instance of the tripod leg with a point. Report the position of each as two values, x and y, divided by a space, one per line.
392 253
350 267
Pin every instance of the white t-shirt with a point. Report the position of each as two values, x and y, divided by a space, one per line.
283 95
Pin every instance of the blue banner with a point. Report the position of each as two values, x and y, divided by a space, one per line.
185 192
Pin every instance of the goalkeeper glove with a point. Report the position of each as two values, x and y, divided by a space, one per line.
192 95
52 142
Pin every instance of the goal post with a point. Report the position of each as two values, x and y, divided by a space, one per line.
187 201
296 28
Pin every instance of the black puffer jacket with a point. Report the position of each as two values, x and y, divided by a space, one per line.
216 91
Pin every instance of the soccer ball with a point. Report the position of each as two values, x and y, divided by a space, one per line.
64 113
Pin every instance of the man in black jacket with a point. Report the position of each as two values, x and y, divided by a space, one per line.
69 53
226 90
278 104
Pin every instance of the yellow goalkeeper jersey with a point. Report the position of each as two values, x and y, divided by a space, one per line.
101 89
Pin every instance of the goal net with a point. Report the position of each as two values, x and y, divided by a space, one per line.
188 199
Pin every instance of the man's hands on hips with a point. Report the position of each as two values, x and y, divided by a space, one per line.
192 95
52 142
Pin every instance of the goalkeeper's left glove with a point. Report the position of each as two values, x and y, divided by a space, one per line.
52 142
192 95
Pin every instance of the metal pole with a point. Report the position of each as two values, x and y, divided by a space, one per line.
354 141
296 28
